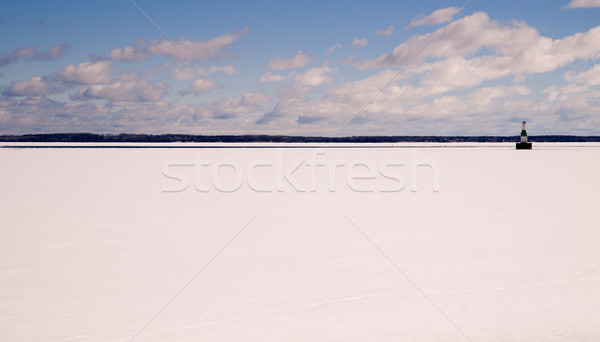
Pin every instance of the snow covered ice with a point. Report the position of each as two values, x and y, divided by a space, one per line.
92 247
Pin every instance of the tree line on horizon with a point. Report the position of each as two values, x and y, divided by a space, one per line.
166 138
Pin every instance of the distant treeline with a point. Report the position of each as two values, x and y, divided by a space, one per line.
166 138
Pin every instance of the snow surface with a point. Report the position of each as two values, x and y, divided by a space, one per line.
508 248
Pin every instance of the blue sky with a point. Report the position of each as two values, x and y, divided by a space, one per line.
306 67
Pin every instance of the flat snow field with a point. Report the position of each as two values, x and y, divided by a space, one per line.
391 242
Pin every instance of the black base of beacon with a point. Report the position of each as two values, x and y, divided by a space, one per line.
524 146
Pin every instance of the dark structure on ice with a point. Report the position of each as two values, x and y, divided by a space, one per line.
523 144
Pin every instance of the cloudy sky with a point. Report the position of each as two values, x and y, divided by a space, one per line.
300 67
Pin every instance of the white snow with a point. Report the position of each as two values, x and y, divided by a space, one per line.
508 248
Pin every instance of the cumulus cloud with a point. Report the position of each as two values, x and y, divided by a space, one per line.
191 48
129 54
359 42
486 95
5 112
590 77
583 4
303 82
32 53
399 105
21 116
387 32
298 61
357 93
440 16
471 79
38 113
285 108
227 69
184 71
195 49
274 77
564 93
87 72
54 52
199 86
17 54
158 117
315 76
515 49
248 103
35 86
127 88
459 72
582 86
408 108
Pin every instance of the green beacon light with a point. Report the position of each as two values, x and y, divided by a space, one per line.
523 144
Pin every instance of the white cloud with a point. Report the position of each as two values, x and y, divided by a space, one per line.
464 82
440 16
184 71
404 108
35 86
284 109
520 78
191 48
484 96
199 86
359 42
5 113
590 77
564 93
335 46
227 69
128 54
440 107
39 113
253 99
459 72
156 114
582 85
362 91
583 4
315 76
248 103
271 77
87 72
17 54
399 105
298 61
32 53
514 49
194 49
387 32
127 88
54 52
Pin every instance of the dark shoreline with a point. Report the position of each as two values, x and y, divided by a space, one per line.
167 138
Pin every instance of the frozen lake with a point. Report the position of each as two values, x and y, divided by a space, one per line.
391 242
